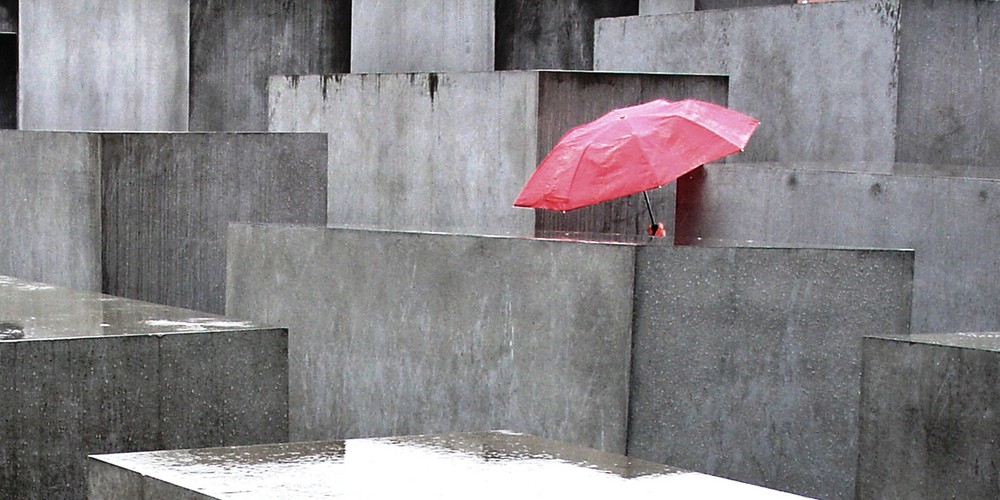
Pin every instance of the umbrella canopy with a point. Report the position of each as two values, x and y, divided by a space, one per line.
633 149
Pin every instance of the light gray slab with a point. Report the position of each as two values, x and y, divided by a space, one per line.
103 65
953 223
651 7
451 151
737 4
405 333
90 373
820 78
236 45
396 36
929 417
746 361
492 464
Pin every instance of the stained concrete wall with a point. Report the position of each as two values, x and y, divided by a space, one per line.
126 376
818 97
414 333
50 226
952 222
551 35
167 199
929 417
746 362
396 36
103 65
8 80
948 111
237 45
650 7
450 152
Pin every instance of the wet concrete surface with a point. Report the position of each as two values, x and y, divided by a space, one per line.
497 464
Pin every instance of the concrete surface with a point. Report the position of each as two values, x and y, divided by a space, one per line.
8 16
450 152
413 333
650 7
103 65
953 223
237 45
50 227
736 4
144 215
8 80
551 35
397 36
819 97
929 417
168 197
746 361
89 373
498 464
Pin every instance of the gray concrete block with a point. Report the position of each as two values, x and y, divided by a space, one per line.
737 4
929 417
450 152
439 466
127 70
8 80
651 7
93 374
411 333
818 97
746 361
397 36
953 223
552 35
236 46
50 227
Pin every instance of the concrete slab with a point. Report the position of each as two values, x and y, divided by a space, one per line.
651 7
407 333
746 361
144 215
953 223
237 45
103 65
737 4
8 16
390 36
819 98
90 373
494 464
450 152
929 416
8 80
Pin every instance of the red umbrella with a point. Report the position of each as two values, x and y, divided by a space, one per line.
630 150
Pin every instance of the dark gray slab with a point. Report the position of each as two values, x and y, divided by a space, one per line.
551 35
494 464
451 151
746 361
8 80
820 78
929 417
953 223
127 70
92 373
237 45
8 16
406 333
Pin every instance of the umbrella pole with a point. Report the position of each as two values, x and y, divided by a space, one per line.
649 208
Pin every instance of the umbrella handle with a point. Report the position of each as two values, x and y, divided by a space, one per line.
655 229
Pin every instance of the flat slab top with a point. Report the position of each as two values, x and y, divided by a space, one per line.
985 341
35 311
496 464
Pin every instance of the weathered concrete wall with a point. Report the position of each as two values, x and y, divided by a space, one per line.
8 16
50 225
398 36
948 110
413 333
126 376
650 7
818 97
8 81
551 35
237 45
929 417
450 152
746 361
952 222
167 199
103 65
